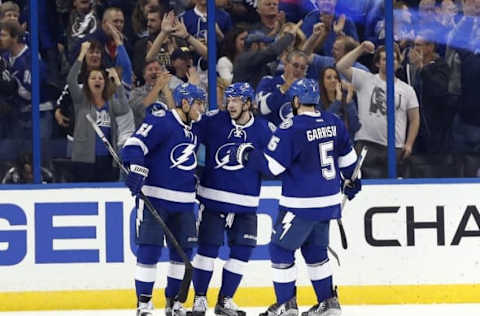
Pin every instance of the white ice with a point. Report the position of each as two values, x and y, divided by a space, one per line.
350 310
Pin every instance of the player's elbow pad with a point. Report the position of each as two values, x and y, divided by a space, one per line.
132 155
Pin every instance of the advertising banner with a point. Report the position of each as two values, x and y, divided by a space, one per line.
405 239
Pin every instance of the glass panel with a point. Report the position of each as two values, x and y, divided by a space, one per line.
435 68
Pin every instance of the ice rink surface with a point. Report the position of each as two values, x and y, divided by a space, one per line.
349 310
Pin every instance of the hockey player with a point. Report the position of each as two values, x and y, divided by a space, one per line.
312 151
161 154
229 196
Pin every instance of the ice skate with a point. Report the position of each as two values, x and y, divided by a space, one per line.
174 308
200 306
289 308
145 309
227 307
328 307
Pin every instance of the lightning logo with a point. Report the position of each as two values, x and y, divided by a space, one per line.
186 160
224 161
285 112
222 158
286 223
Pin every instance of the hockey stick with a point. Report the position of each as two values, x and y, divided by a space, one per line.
187 276
355 173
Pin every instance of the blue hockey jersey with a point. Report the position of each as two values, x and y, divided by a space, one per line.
20 68
313 18
168 147
274 105
227 186
196 22
309 152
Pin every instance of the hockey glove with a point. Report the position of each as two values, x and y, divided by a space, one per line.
239 153
352 188
135 178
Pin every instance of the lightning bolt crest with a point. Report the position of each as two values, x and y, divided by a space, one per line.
286 223
184 156
225 160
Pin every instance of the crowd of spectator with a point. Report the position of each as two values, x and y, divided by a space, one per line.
114 58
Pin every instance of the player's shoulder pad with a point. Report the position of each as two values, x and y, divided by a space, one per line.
155 116
286 124
264 80
333 118
265 123
159 112
327 115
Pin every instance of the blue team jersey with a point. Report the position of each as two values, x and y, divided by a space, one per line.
274 105
309 151
227 186
168 146
20 68
196 22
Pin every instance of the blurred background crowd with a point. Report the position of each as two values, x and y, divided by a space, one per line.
139 51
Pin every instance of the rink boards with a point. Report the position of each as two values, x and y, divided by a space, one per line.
70 247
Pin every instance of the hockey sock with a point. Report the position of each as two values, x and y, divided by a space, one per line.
203 265
319 270
146 270
234 269
323 288
284 273
176 270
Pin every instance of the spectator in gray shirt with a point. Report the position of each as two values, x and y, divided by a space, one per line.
109 107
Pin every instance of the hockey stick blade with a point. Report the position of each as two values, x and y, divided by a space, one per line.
356 171
187 276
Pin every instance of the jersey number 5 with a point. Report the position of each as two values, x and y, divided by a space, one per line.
327 162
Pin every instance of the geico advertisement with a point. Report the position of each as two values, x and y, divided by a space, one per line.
398 234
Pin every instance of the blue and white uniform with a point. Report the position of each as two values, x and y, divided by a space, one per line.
229 195
313 147
20 68
163 151
310 152
227 186
166 146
